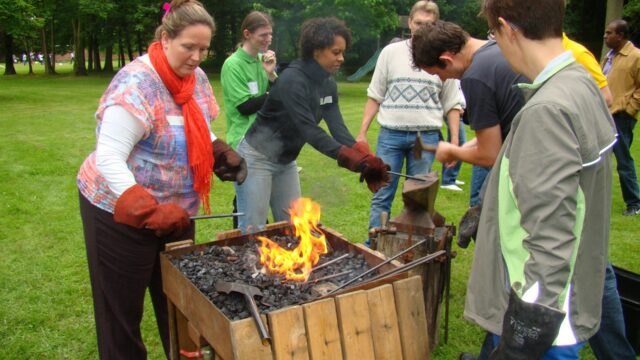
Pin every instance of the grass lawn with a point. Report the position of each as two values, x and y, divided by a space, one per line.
47 129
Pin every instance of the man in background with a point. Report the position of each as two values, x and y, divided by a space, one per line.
622 68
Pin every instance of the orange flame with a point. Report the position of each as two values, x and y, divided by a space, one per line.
296 264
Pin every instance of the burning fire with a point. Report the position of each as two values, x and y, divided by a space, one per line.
296 264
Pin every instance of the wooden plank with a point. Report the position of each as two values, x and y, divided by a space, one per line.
174 351
288 334
246 340
184 341
384 323
412 320
178 244
228 234
210 322
355 326
323 333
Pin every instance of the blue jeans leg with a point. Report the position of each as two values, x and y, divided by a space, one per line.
568 352
626 166
610 341
394 147
449 175
268 185
478 176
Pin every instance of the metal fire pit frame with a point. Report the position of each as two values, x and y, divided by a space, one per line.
194 320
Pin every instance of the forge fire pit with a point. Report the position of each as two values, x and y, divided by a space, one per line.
376 319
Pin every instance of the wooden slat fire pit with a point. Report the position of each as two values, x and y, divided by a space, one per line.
384 319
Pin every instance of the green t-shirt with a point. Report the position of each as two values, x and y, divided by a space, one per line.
242 78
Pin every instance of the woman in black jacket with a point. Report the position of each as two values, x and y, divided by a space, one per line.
303 95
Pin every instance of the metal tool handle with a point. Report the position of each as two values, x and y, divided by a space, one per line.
407 176
262 328
215 216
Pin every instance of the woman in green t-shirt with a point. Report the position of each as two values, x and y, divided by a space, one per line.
246 77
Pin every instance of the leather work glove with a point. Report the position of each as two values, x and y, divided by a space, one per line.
468 227
228 166
528 330
371 168
137 208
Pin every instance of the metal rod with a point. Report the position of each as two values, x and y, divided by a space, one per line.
330 262
215 216
407 176
409 266
328 277
380 265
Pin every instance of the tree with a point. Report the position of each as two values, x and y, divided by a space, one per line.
18 23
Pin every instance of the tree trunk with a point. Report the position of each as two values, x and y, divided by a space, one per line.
139 41
127 39
45 52
121 60
79 66
96 55
9 69
53 48
614 11
27 47
90 55
108 59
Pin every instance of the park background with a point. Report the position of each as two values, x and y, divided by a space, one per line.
47 129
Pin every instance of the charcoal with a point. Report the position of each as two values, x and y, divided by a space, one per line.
242 264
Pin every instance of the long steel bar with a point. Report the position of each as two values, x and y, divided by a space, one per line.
407 176
330 262
328 277
215 216
380 265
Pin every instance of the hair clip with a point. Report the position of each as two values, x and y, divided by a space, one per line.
166 7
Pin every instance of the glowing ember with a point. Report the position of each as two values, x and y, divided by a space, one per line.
296 264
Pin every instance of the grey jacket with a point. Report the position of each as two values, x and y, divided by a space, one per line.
544 227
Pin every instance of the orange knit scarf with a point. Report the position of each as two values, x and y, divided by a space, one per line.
199 148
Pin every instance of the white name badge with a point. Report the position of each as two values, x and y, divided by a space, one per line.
253 87
326 100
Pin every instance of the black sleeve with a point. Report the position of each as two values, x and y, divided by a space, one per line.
297 100
333 117
482 110
252 105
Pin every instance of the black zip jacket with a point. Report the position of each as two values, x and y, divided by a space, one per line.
303 95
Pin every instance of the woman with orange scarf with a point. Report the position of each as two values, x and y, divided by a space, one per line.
150 172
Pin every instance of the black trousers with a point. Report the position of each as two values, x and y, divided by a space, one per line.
123 263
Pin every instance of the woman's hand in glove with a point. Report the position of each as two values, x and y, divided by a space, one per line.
228 165
359 159
137 208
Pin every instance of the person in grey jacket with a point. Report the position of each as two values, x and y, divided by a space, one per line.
538 268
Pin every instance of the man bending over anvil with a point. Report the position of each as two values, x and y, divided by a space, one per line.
539 262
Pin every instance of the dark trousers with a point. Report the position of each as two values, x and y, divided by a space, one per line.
610 341
626 166
123 263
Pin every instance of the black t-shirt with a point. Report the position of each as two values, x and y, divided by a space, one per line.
489 87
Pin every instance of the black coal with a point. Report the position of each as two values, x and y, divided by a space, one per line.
242 264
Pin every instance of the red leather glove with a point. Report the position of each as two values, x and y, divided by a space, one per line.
228 166
137 208
372 168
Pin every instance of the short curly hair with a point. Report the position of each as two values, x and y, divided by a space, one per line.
320 33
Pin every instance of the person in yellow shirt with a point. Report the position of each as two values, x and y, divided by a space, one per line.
585 58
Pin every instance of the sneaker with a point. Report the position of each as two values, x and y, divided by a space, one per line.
631 211
453 187
298 168
459 182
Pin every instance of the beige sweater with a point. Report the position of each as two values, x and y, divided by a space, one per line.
410 99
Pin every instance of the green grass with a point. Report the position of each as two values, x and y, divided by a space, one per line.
47 129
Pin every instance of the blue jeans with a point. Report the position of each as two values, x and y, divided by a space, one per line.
478 177
626 167
268 184
449 175
569 352
394 147
610 341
